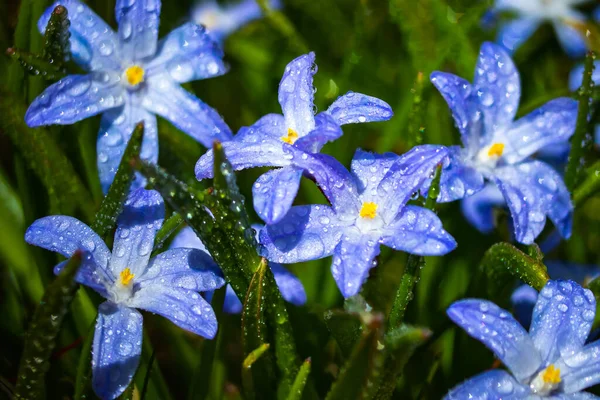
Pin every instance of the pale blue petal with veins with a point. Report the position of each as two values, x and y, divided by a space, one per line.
132 76
129 278
551 361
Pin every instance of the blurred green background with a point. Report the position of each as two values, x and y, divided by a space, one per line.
381 48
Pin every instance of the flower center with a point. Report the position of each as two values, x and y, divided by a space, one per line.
134 75
546 381
368 210
291 136
496 150
126 277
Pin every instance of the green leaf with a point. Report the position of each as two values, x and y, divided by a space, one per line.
45 325
84 367
112 205
503 262
45 158
345 328
260 379
57 46
36 65
300 381
166 230
589 186
581 141
400 344
362 367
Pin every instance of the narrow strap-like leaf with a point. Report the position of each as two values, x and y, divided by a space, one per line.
300 381
45 325
36 65
84 367
57 47
166 230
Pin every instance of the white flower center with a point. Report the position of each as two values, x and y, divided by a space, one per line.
546 381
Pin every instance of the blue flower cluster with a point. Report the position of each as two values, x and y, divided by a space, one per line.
131 76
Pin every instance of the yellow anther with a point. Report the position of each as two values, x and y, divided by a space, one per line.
551 375
134 75
368 210
126 277
291 136
496 150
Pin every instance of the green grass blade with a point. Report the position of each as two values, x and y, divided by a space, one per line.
57 47
43 330
300 381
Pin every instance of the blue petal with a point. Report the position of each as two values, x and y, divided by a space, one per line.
116 128
552 123
289 285
188 53
94 45
562 319
187 112
580 370
232 303
305 233
571 40
576 75
369 169
74 98
491 385
221 21
406 176
274 192
533 190
500 332
523 300
478 209
326 130
352 108
514 33
138 28
142 216
186 268
185 308
334 180
66 235
187 238
458 95
419 231
116 349
353 257
497 87
296 94
459 180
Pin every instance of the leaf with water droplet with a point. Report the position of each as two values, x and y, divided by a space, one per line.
43 330
57 46
300 381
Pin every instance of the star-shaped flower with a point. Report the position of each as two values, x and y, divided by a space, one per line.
286 141
497 149
368 209
132 77
223 20
551 361
167 284
290 287
532 13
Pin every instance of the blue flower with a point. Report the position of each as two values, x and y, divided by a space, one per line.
552 360
368 209
131 78
222 20
291 288
532 13
128 278
287 141
524 297
497 149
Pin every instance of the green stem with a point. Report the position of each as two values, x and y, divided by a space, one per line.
589 186
579 143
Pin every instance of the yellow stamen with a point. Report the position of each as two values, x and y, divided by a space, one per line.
126 277
291 136
134 75
496 150
551 375
368 210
